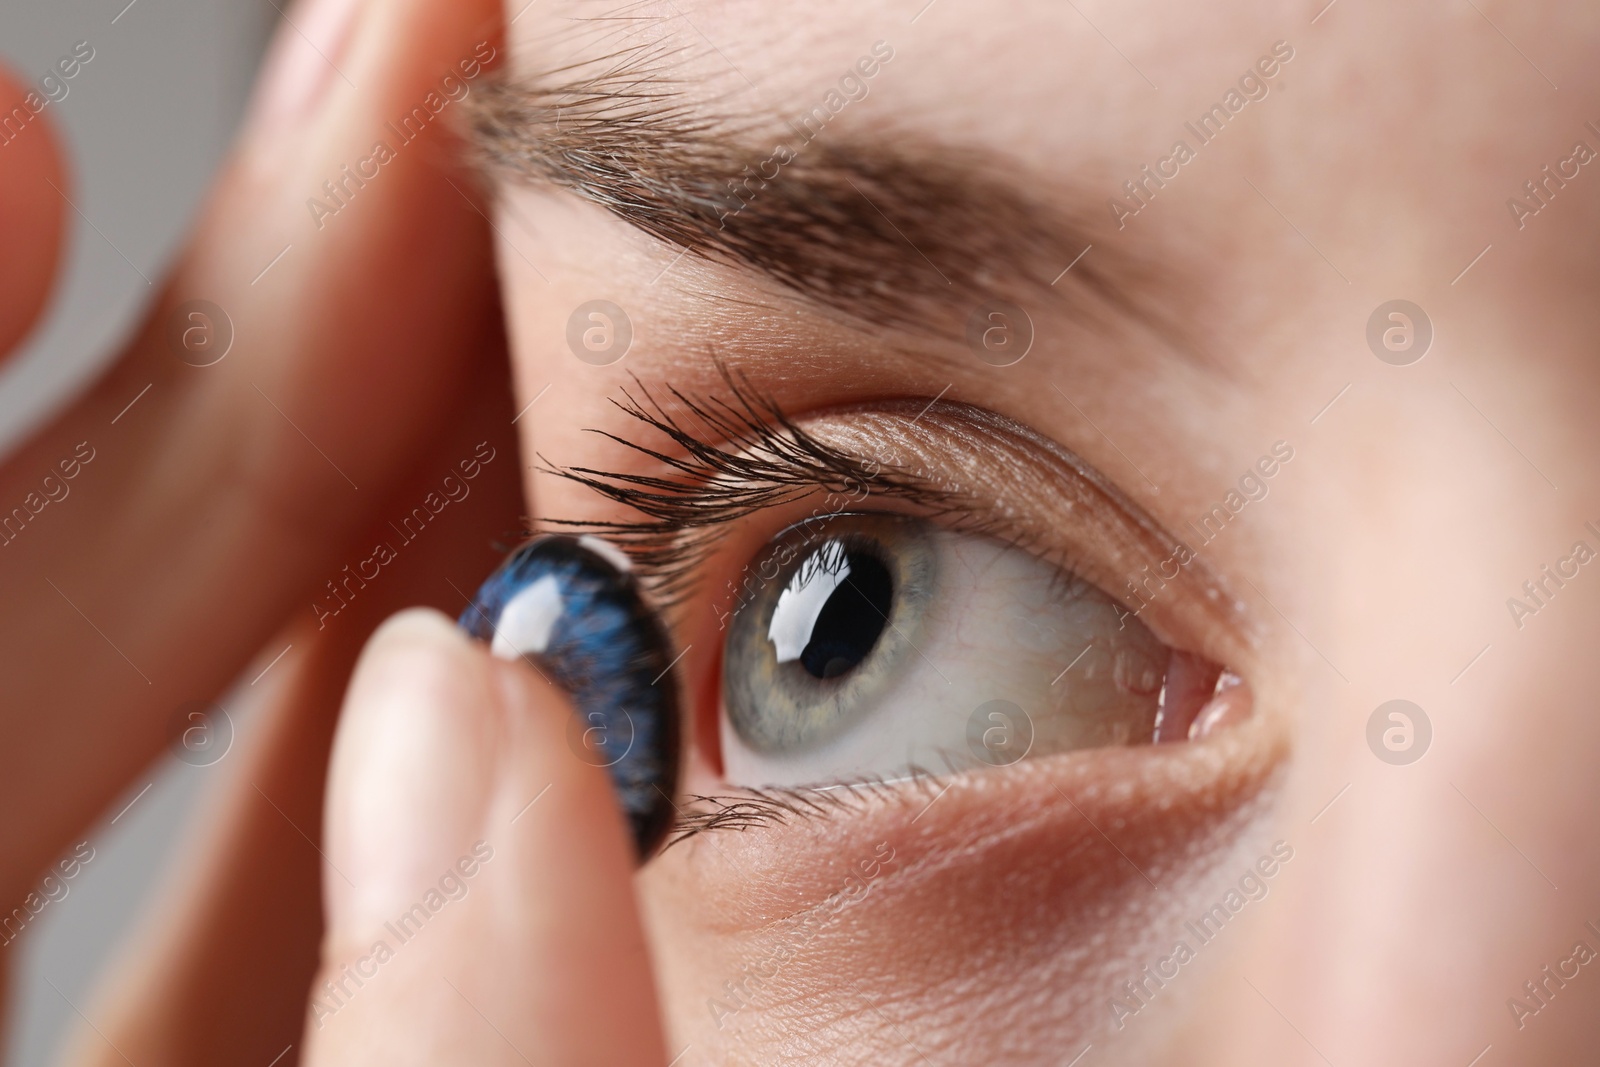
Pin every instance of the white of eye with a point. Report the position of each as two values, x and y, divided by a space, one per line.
526 621
999 626
803 600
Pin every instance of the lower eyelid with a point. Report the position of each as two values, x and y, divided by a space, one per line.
1118 841
1231 766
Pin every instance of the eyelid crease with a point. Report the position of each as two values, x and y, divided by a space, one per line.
1045 495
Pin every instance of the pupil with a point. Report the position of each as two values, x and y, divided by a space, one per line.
851 619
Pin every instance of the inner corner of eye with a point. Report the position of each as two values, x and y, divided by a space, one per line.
870 645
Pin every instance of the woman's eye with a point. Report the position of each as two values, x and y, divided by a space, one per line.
869 645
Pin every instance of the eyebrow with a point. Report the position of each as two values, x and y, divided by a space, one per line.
894 231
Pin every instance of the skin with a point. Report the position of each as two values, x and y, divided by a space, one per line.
1418 897
1374 571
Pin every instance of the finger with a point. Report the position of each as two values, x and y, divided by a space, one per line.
247 886
30 210
483 908
157 534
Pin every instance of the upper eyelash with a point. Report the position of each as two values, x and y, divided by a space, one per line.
739 457
830 559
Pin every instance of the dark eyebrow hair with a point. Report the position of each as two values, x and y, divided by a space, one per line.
896 231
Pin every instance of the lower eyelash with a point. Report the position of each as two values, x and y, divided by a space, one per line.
704 814
753 808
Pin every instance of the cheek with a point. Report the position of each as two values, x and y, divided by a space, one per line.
1002 901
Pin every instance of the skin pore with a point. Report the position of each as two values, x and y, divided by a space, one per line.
1218 313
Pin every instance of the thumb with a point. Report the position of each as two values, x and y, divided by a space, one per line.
479 883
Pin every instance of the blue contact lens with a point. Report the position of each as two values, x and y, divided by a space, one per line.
570 607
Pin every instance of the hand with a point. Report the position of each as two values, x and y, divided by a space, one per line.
486 881
208 505
477 882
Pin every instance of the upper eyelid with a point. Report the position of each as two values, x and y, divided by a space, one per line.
1113 515
685 520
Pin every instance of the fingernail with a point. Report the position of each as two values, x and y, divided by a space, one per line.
304 59
571 608
410 785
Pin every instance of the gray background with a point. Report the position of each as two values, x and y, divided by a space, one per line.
145 125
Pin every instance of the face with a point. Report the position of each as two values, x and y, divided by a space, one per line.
1050 499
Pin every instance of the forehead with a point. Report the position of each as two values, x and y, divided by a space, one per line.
1069 84
985 73
1385 120
1287 168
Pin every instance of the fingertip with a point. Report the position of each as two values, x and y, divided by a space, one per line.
412 768
422 626
32 210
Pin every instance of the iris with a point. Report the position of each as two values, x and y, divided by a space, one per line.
809 657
